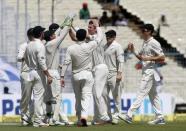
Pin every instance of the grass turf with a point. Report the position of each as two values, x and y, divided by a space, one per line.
172 126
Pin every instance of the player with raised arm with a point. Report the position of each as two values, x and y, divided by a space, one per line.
54 38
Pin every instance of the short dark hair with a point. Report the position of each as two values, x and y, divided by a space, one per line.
48 34
148 27
37 31
30 32
110 33
53 27
81 34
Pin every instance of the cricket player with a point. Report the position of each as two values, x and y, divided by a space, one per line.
114 58
38 73
26 85
100 73
80 56
53 46
150 54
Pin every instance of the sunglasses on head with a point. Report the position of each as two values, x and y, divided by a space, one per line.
145 30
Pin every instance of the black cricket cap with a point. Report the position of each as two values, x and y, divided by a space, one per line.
81 34
53 27
110 33
148 27
37 30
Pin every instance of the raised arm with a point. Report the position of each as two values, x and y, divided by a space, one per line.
72 35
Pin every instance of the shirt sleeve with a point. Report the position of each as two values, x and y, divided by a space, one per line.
67 62
120 58
91 46
41 57
21 53
156 48
99 37
55 43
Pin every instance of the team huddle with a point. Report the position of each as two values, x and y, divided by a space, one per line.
97 62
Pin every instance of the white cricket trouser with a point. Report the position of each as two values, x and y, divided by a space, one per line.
55 90
115 87
26 93
100 74
147 87
37 77
82 83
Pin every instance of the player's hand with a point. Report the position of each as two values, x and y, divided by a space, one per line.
49 79
118 77
62 81
131 47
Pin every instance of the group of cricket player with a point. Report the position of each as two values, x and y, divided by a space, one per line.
97 63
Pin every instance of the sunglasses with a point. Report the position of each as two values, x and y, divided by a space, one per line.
145 30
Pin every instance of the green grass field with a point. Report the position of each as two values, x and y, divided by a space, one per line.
172 126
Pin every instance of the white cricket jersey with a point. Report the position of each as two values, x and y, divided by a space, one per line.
53 49
98 53
151 47
35 55
80 55
114 57
20 57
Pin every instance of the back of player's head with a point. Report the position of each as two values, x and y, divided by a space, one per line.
53 27
110 34
48 34
81 34
37 31
30 32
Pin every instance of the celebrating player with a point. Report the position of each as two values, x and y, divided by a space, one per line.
150 53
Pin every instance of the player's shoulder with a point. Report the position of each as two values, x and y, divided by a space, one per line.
72 47
116 44
23 45
154 43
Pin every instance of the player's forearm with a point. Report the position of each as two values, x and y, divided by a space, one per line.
62 35
46 73
72 35
64 68
137 56
157 58
120 67
99 34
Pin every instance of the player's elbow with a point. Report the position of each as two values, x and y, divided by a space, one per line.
161 58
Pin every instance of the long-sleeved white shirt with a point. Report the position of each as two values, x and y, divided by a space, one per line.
53 49
98 53
151 47
35 55
20 57
80 55
114 57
